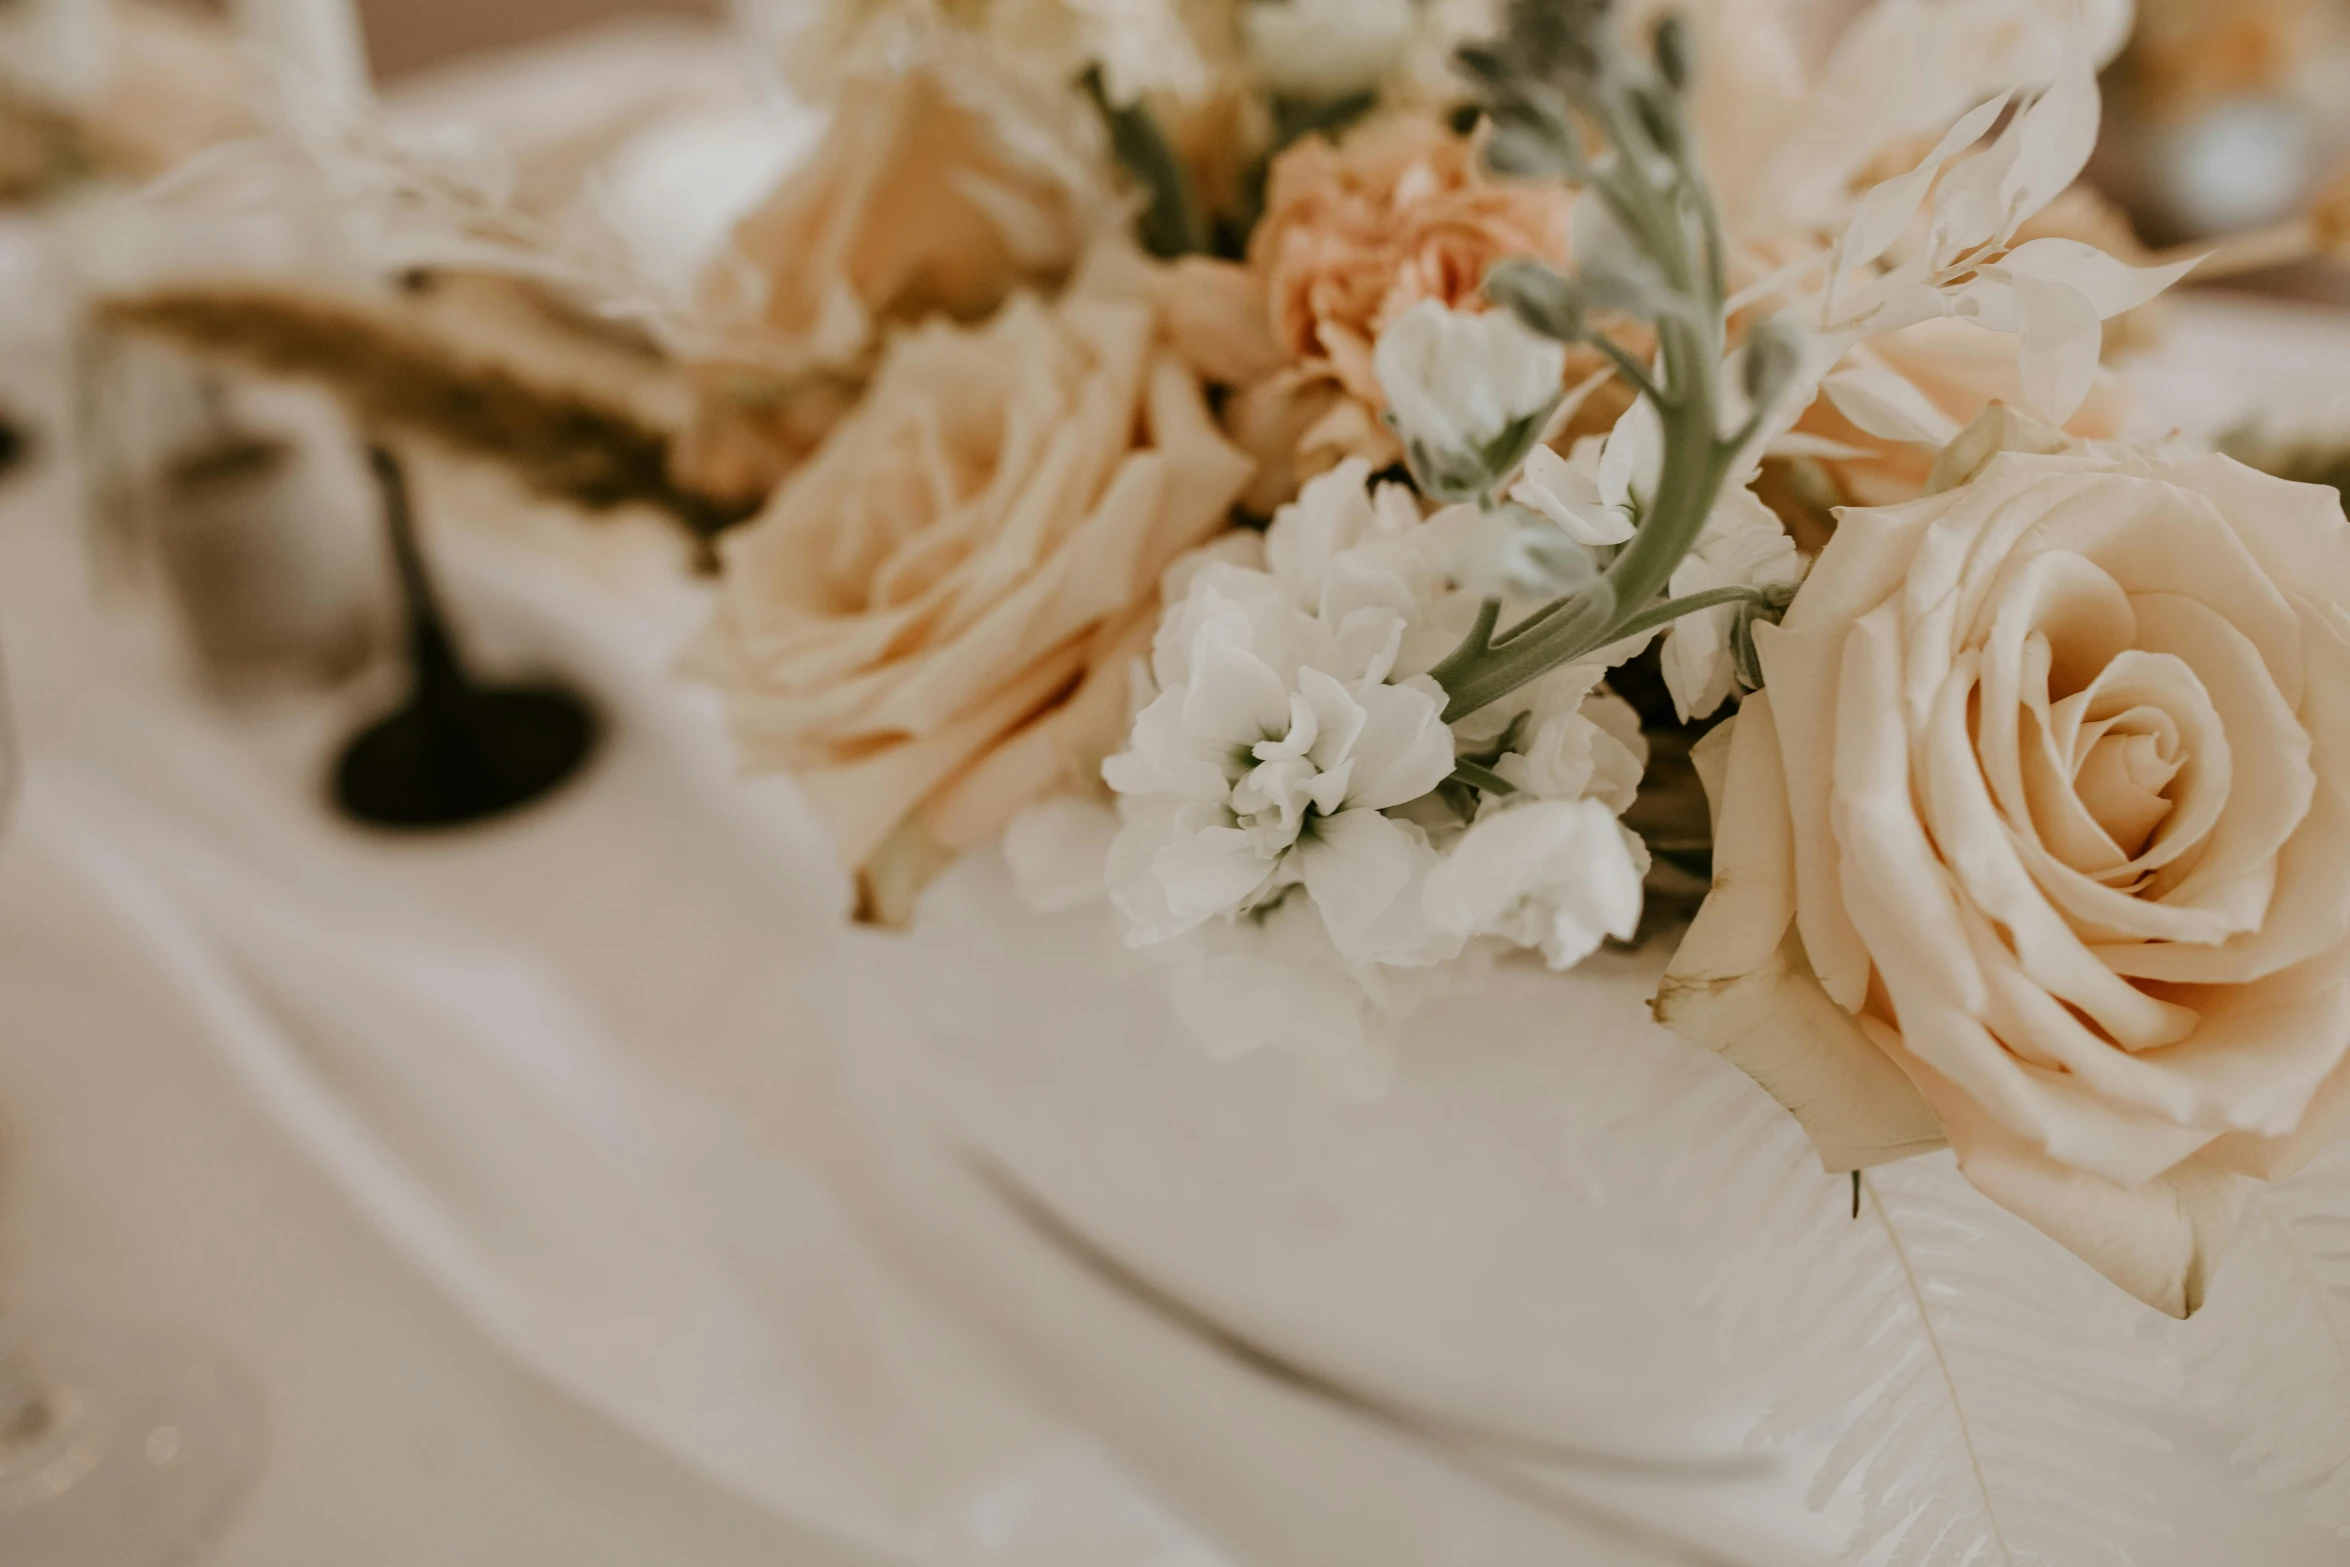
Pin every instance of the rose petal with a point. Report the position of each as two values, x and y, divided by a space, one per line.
2161 1240
2309 910
1983 857
1740 984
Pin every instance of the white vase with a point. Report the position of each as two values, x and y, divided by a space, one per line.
1462 1250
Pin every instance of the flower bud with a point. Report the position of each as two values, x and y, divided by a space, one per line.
1675 53
1544 299
1469 394
1774 349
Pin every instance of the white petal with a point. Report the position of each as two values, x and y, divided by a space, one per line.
1357 864
1880 216
1888 407
1553 489
1405 361
2111 286
2054 138
1405 749
1233 698
2061 340
1634 456
1209 870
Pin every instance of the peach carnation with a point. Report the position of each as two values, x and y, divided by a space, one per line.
1356 233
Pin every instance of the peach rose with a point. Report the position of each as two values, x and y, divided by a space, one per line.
932 618
931 193
2038 840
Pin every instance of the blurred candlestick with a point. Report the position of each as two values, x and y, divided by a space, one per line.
319 40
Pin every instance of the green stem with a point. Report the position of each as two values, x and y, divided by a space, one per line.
1674 223
1473 647
1482 777
1171 224
1695 460
1674 609
1630 369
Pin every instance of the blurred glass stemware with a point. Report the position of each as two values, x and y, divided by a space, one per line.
117 1448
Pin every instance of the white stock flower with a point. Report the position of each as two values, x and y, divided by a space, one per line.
2054 294
1536 869
1282 843
1327 49
1744 545
1578 504
1265 764
1468 392
1589 496
1558 876
1575 742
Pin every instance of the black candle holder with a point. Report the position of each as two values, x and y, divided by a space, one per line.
457 750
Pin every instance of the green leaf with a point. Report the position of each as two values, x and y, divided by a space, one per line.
1171 224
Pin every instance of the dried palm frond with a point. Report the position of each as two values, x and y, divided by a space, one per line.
2270 1353
597 441
1980 1382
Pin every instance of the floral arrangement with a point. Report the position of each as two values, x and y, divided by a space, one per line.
1301 475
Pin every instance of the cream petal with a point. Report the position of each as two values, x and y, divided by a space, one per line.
1740 985
2162 1240
2110 907
1984 858
2259 1060
2271 782
2122 779
1895 885
2275 1158
2060 621
2309 912
1952 593
1802 668
2251 1065
2056 814
1865 562
2050 1110
864 800
2296 531
2155 539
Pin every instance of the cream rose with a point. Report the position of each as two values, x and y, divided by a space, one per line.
934 616
933 192
2038 840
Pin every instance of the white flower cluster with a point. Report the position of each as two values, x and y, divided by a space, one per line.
1461 384
1292 831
